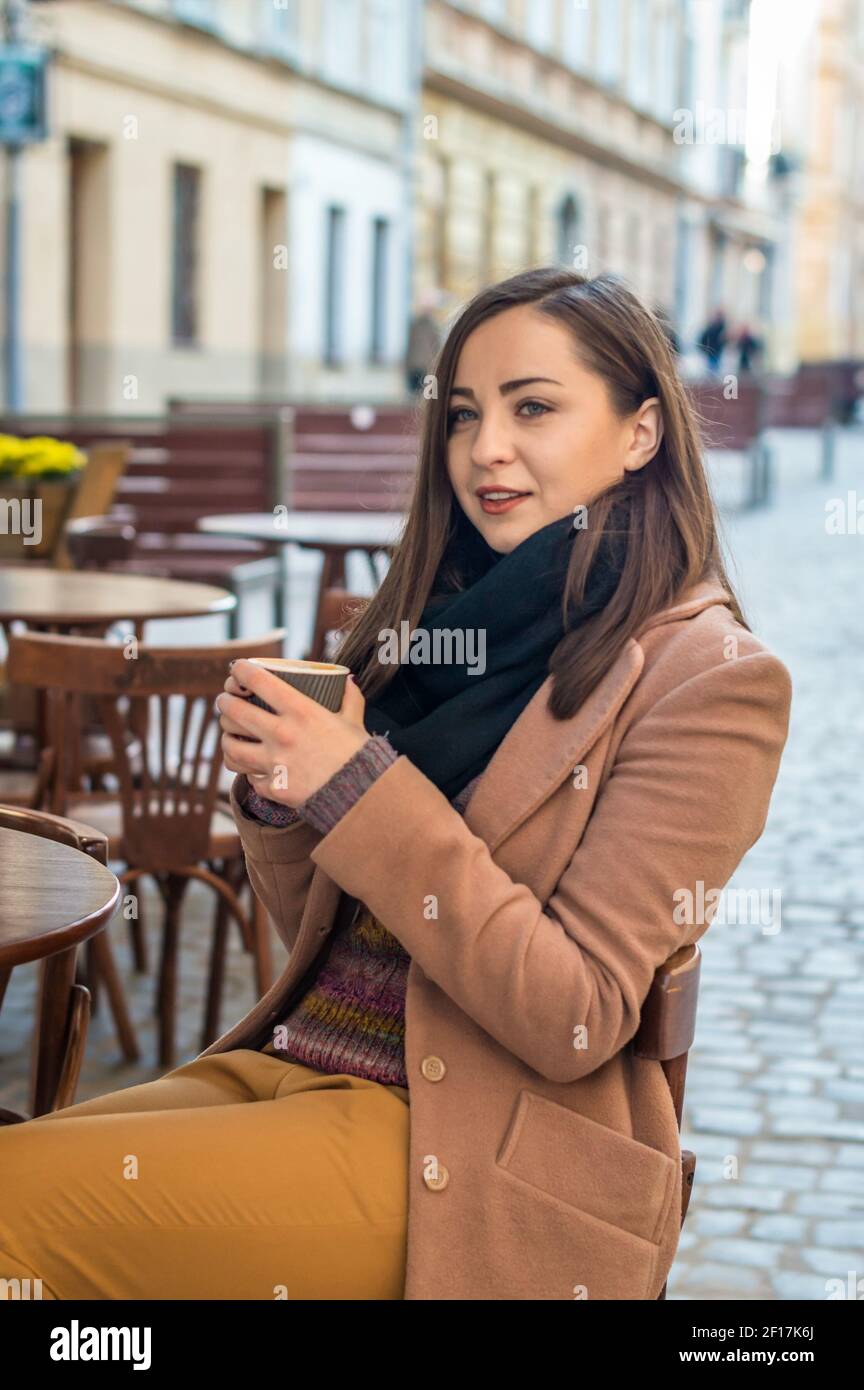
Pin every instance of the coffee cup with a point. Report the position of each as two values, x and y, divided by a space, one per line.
322 681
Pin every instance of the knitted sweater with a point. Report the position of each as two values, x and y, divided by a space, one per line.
352 1017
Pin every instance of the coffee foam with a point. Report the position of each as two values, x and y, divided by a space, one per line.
281 663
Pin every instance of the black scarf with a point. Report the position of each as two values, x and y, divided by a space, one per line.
444 714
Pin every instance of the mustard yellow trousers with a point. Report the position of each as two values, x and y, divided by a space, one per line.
183 1188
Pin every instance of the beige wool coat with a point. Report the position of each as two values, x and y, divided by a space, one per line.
545 1156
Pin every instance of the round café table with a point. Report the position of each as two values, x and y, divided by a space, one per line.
333 533
52 898
63 601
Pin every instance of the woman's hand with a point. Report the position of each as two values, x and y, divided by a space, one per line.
299 747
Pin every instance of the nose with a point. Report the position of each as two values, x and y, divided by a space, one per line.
493 441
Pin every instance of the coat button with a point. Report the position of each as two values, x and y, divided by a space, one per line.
432 1068
438 1181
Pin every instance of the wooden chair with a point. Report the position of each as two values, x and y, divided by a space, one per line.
97 542
106 463
166 819
88 542
100 543
665 1035
61 1050
336 607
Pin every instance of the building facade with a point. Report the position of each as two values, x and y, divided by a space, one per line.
546 137
220 207
829 247
249 198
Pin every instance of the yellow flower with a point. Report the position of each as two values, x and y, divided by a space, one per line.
38 456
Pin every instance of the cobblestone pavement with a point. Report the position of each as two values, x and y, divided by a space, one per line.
776 1076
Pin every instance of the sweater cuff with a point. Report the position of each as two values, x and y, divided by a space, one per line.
260 808
325 807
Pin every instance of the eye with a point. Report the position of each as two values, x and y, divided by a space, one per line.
453 415
541 409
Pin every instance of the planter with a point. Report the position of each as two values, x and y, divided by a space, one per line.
34 508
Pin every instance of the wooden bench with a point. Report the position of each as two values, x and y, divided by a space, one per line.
340 457
735 426
820 396
180 469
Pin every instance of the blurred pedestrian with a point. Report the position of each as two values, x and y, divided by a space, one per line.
665 322
713 339
424 340
749 348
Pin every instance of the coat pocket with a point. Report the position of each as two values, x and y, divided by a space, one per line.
588 1166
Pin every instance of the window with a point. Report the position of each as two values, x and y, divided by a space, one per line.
490 212
380 249
577 33
184 282
532 219
280 21
342 34
333 285
604 219
609 47
568 230
666 85
202 13
386 50
440 203
634 244
494 10
539 16
640 63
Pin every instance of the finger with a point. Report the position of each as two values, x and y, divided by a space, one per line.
279 694
244 757
230 726
251 718
353 703
233 687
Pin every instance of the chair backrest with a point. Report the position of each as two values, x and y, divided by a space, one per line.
668 1022
335 612
106 464
93 542
161 697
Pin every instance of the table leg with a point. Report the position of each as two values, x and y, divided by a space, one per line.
332 577
52 1022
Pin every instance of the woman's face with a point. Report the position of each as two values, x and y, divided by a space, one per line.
527 420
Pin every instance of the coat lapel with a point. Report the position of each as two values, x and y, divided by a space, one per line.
539 752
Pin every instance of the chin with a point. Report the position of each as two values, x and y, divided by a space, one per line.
502 533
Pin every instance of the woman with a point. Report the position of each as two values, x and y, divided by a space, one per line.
559 727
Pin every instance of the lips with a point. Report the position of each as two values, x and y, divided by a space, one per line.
495 500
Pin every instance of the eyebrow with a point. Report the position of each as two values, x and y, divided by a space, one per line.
507 387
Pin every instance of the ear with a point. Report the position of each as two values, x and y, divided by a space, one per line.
647 434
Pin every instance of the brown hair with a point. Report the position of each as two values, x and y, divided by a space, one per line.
673 534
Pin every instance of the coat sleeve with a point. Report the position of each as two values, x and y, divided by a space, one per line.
278 863
686 797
